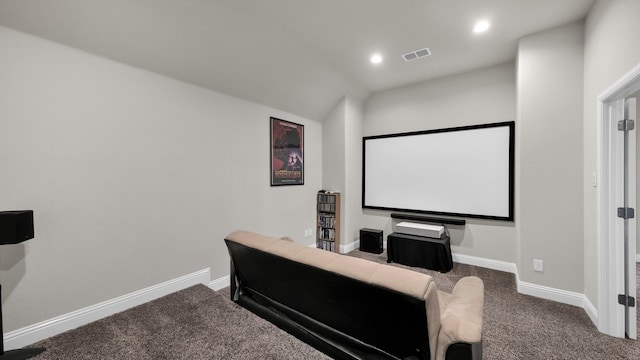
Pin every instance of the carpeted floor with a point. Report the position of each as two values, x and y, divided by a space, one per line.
519 326
199 323
195 324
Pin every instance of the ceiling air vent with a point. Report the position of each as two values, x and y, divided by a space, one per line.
416 54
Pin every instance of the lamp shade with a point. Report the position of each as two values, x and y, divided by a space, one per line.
16 226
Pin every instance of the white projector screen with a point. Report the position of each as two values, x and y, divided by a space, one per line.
464 171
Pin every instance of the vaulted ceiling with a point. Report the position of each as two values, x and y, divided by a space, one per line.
300 56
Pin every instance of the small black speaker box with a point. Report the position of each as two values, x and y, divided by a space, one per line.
16 226
371 240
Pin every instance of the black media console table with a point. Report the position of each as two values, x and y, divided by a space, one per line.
420 251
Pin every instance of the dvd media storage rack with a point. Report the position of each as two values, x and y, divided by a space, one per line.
328 221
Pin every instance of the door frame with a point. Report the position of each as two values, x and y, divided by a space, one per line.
610 254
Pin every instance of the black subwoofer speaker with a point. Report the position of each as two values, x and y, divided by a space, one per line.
371 240
16 226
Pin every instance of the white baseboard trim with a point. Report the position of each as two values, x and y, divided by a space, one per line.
561 296
486 263
220 283
549 293
591 310
33 333
28 335
544 292
349 247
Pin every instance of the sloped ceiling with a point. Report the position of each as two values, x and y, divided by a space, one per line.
300 56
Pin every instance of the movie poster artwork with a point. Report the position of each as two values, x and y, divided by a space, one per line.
287 153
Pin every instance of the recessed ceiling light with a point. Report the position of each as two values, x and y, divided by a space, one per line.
481 26
376 58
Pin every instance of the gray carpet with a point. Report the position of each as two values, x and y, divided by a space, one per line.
195 323
199 323
519 326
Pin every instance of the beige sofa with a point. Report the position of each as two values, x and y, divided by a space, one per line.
352 308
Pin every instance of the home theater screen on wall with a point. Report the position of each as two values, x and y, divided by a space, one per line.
464 171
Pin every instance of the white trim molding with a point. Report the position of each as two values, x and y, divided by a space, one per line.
33 333
220 283
540 291
346 248
610 253
486 263
561 296
30 334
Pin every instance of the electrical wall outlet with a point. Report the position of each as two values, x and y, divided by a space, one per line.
538 265
308 233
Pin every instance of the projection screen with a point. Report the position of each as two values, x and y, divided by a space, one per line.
464 171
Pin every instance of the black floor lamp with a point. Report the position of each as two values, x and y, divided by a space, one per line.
15 227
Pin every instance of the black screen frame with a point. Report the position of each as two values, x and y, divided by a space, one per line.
511 171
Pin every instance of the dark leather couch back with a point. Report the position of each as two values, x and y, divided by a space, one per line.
391 321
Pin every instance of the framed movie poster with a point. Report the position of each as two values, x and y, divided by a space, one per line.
287 153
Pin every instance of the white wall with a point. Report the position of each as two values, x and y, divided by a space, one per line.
134 178
549 143
333 159
548 220
333 148
611 50
353 170
478 97
342 164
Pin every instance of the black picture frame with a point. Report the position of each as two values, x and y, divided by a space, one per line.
287 152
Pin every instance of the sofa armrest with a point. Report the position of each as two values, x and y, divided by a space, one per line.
460 335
